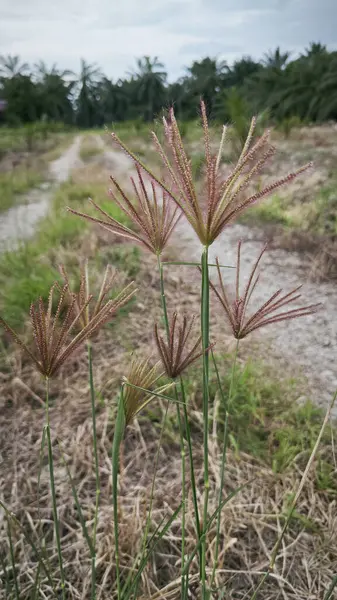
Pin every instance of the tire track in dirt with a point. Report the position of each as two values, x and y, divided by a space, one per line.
19 222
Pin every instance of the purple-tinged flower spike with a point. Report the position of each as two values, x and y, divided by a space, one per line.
88 307
224 198
154 218
53 333
174 353
270 312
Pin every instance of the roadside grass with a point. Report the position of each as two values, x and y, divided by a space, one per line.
19 174
266 420
18 181
28 272
89 148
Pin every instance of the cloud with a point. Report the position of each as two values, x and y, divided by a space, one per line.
177 31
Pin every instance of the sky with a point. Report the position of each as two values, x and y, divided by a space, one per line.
113 33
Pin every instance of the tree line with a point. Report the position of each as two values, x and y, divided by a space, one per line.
304 88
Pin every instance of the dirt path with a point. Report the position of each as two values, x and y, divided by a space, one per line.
19 222
307 345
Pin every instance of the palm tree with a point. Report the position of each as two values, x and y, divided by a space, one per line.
55 91
151 79
276 60
10 66
86 102
205 79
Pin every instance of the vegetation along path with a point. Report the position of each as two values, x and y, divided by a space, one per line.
19 222
307 346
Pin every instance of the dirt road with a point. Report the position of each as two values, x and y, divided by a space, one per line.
19 222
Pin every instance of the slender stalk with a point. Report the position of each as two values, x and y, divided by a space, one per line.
16 586
184 584
294 502
162 296
190 453
148 520
118 436
333 584
53 491
184 578
94 433
224 449
205 395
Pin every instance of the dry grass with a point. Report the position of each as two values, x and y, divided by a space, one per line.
250 524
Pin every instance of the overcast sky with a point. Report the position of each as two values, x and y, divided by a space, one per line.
114 32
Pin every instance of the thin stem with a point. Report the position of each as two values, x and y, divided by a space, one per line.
184 583
205 395
224 449
190 453
17 593
333 584
118 436
184 578
295 500
53 491
148 520
94 433
163 297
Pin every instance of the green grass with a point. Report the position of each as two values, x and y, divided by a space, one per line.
15 183
273 210
27 273
266 421
89 148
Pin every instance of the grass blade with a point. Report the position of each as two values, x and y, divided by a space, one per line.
294 502
27 537
16 585
151 549
117 440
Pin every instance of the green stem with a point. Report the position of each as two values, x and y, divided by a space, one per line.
190 453
184 578
163 297
333 584
184 584
148 520
17 593
94 433
53 491
205 395
224 449
118 436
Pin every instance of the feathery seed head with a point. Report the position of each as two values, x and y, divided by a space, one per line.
142 375
102 308
225 197
175 354
154 218
269 312
58 335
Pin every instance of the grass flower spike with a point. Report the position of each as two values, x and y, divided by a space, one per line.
83 305
52 333
140 375
174 353
154 218
224 198
270 312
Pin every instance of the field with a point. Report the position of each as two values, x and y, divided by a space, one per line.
278 391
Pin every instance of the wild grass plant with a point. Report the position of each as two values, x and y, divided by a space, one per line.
153 214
